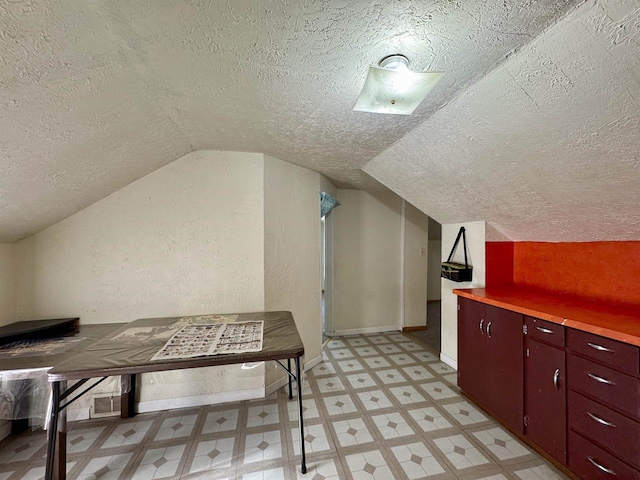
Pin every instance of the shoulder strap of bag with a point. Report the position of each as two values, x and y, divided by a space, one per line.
464 243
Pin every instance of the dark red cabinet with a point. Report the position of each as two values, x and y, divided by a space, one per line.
545 395
573 394
490 360
472 346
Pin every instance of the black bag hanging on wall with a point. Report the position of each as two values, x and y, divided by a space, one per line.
456 271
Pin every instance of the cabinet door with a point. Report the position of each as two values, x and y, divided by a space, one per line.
505 371
472 349
545 398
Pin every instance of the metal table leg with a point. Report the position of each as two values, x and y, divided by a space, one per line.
53 429
60 457
289 368
300 416
127 396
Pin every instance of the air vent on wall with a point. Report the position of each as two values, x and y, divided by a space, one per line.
105 406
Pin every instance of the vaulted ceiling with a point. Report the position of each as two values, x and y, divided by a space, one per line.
541 102
547 146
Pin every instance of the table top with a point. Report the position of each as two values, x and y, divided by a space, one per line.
68 347
129 349
617 322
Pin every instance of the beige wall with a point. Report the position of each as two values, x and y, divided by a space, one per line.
416 238
292 276
8 299
186 239
433 275
367 261
475 233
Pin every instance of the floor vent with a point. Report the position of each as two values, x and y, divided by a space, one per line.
105 406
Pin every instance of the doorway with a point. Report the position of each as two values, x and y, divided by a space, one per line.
326 255
432 335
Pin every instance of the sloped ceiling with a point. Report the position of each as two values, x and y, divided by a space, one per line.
95 94
547 146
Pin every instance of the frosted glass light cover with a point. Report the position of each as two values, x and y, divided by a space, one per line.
396 92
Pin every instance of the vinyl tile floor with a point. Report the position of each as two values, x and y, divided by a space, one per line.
378 407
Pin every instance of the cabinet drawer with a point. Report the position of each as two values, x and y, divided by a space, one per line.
618 355
608 386
544 331
603 426
589 461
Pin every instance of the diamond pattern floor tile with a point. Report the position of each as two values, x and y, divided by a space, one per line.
378 406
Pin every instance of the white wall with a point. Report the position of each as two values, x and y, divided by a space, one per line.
186 239
292 274
433 275
367 261
416 243
475 233
8 299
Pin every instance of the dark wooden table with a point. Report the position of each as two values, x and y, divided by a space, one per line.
128 351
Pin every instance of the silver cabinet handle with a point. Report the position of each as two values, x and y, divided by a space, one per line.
597 465
489 329
600 348
600 420
556 376
600 379
544 330
481 326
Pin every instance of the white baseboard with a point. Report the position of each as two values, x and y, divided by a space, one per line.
199 400
449 361
80 413
5 429
281 382
359 331
312 363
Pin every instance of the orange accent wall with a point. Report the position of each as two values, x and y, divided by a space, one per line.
608 271
499 263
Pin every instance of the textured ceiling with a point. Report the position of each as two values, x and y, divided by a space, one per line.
547 146
95 94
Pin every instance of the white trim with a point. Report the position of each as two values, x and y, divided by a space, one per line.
403 239
79 413
358 331
282 381
200 400
312 363
449 361
5 429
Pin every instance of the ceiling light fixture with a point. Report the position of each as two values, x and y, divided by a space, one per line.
392 88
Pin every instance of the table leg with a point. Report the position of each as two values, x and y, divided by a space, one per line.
53 429
60 457
300 416
127 396
289 368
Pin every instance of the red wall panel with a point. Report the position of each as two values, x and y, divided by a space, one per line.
499 263
608 271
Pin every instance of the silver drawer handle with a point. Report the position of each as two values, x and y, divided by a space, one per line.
600 379
600 420
489 329
544 330
556 376
604 469
482 325
600 348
